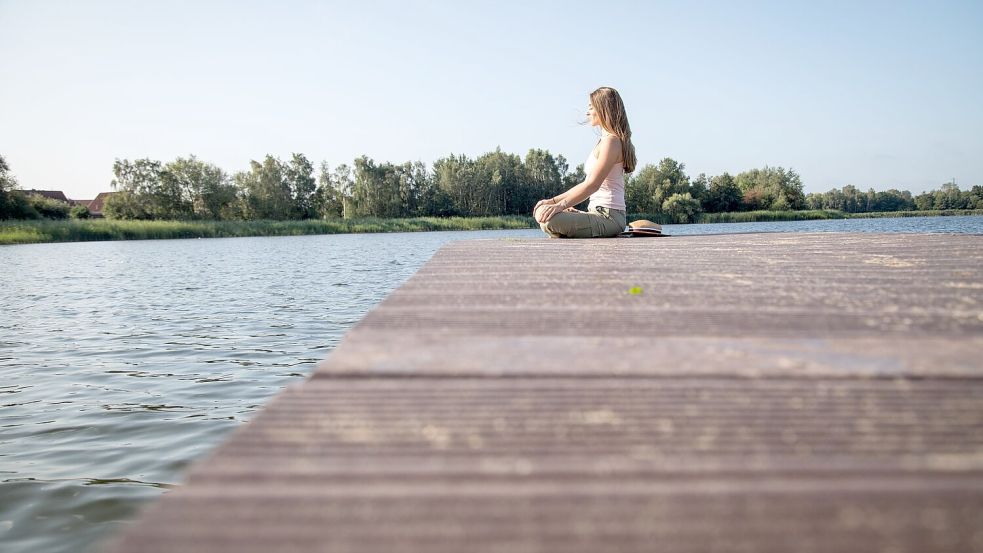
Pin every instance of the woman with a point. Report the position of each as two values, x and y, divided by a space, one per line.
612 157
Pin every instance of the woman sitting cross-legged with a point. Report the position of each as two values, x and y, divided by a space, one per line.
612 157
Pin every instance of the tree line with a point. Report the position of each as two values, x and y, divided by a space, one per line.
665 188
495 183
492 184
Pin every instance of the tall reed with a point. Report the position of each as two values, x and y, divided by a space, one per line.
77 230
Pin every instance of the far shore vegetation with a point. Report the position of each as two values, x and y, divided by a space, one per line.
79 230
190 198
76 230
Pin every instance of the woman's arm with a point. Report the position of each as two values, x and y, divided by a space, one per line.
609 150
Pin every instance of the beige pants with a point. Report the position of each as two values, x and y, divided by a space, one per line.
599 222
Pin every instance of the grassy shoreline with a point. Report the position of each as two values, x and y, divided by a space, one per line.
76 230
816 214
803 215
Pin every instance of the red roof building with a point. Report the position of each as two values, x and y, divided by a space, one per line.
95 206
52 194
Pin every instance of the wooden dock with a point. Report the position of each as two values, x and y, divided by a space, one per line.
731 393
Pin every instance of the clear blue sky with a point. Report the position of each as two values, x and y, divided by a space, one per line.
875 94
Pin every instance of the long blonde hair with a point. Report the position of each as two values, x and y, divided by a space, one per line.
608 105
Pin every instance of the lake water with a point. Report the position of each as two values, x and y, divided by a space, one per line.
122 362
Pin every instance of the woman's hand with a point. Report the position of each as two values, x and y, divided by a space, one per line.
546 209
539 204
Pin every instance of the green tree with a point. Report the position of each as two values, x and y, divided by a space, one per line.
344 180
948 197
49 208
7 186
503 178
328 199
723 195
7 180
265 190
683 208
377 189
299 175
171 200
754 199
455 176
974 197
125 204
893 200
13 203
924 201
771 188
140 192
415 180
647 191
434 200
79 212
699 188
543 178
207 192
833 199
852 200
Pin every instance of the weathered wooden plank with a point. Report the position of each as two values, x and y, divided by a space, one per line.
798 393
759 304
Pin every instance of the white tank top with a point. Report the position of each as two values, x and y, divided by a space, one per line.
611 194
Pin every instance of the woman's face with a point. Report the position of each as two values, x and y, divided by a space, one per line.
592 117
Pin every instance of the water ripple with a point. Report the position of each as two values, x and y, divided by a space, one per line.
122 362
120 370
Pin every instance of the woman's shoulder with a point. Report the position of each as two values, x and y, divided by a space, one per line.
608 142
611 145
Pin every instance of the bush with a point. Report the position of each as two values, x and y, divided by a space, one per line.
683 208
80 212
47 207
125 205
14 205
